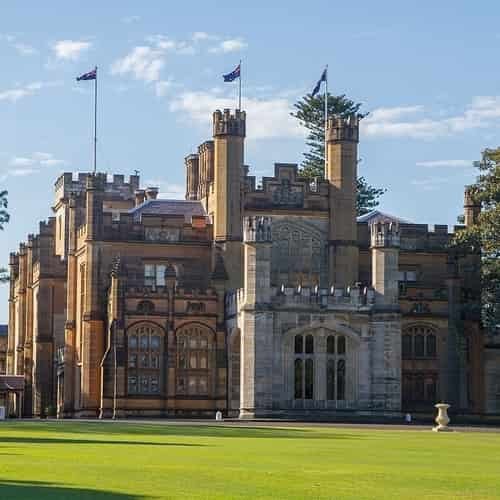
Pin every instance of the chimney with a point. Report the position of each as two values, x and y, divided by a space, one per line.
140 194
151 193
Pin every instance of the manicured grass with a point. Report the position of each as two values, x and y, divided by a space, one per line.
121 461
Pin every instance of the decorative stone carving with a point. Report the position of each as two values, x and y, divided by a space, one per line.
287 195
258 229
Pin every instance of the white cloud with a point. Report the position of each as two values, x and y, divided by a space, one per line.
445 163
23 165
27 90
274 113
24 49
130 19
199 36
162 87
143 63
70 49
417 122
230 45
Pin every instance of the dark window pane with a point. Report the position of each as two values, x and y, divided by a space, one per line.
132 342
330 379
431 346
132 361
299 348
419 389
298 379
132 385
407 347
431 390
309 379
330 344
341 379
419 346
341 345
309 344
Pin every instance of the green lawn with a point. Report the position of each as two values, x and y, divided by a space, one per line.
120 461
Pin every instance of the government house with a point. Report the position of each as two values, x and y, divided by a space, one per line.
269 300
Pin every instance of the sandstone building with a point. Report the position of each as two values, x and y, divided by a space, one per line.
269 300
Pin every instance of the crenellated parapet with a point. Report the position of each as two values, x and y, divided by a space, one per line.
257 229
227 123
341 128
385 235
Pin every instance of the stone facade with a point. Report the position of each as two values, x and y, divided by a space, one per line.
258 301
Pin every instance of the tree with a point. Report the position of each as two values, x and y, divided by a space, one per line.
4 218
484 235
309 111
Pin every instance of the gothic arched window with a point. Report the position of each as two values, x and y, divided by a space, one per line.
145 307
144 359
419 342
304 367
194 364
336 367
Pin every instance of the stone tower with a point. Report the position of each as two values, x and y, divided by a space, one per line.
229 137
385 256
257 321
342 136
472 208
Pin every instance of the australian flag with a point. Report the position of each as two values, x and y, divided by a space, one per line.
233 75
91 75
318 85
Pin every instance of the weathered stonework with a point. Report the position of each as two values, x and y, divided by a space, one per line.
259 301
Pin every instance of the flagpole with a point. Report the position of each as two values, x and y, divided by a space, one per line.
95 121
239 95
326 120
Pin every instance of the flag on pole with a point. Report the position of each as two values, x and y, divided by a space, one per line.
233 75
318 85
91 75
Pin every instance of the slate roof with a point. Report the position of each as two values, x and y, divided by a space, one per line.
188 208
4 330
378 215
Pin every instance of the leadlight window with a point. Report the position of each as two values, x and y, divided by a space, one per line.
419 342
144 348
154 275
304 367
194 347
336 367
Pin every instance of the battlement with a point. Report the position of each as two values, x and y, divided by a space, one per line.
385 235
226 123
341 128
257 229
323 298
67 184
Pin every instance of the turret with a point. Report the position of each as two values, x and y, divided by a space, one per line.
229 135
342 136
472 208
385 241
192 176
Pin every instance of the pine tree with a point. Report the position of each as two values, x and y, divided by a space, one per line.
309 111
485 235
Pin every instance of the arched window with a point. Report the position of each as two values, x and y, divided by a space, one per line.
336 367
144 359
309 379
299 380
304 367
309 344
431 346
194 349
145 307
419 342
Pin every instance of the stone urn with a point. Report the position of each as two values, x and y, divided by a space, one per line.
442 419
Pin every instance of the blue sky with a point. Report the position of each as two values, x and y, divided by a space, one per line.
425 71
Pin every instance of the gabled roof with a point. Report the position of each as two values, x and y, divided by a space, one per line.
378 215
188 208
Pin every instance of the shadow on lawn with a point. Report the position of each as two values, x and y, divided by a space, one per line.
63 440
40 490
166 429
